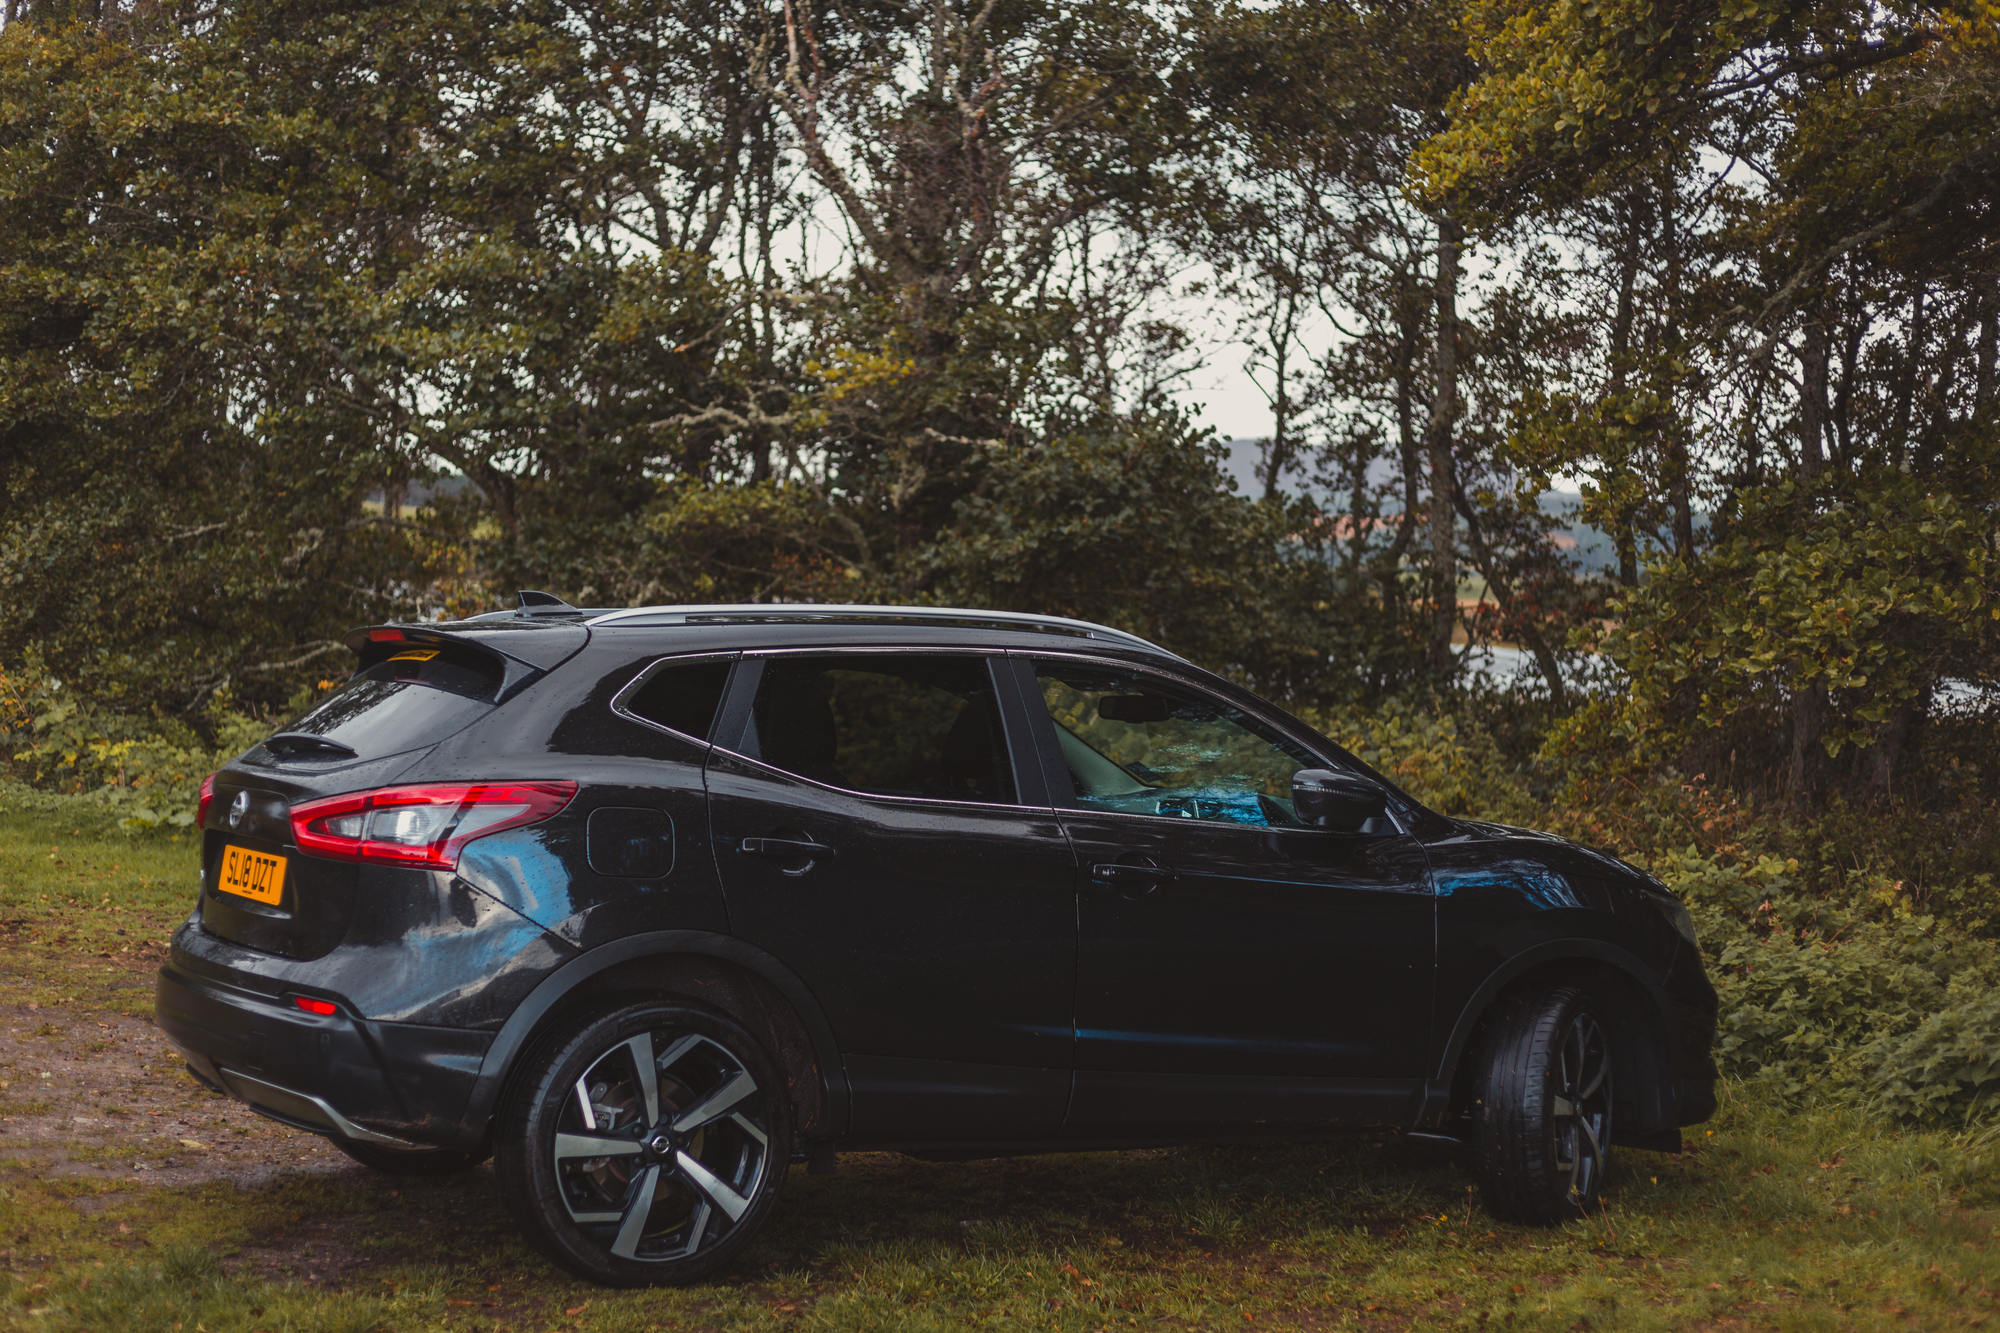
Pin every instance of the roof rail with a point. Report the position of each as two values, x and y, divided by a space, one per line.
753 612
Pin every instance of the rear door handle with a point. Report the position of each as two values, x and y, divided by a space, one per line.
788 849
1132 880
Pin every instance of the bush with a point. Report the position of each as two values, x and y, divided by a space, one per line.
148 769
1846 991
1947 1067
1448 763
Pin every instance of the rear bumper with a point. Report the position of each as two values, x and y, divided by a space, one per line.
395 1084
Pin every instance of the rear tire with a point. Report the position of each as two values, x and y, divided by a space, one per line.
411 1161
1542 1124
648 1145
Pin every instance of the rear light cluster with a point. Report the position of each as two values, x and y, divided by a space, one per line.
201 805
426 826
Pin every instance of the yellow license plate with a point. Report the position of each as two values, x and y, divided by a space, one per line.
254 875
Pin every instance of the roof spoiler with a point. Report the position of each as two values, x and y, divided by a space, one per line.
523 656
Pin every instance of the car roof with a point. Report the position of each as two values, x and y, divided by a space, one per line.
956 624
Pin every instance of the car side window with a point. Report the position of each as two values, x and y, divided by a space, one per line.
1136 744
682 696
891 724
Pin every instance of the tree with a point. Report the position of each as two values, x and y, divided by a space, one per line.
1830 169
1319 109
1134 524
263 261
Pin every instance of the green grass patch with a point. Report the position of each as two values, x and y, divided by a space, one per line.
84 904
1788 1220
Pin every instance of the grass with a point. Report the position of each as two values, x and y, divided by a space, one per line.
1780 1217
83 903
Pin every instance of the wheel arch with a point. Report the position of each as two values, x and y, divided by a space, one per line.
715 970
1637 1011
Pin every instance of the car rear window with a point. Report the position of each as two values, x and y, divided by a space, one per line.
413 697
681 696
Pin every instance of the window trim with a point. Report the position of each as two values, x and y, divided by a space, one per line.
653 668
1056 774
735 712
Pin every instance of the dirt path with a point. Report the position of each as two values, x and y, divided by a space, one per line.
87 1090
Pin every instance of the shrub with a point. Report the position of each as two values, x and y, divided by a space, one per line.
149 769
1448 763
1845 991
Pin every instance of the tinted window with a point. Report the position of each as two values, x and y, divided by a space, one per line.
898 724
682 697
416 696
1136 744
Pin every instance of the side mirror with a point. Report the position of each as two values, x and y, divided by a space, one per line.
1339 801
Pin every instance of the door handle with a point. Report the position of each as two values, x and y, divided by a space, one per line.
1133 879
789 849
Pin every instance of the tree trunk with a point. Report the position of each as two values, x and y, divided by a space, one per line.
1906 390
1809 700
1283 448
1989 347
1496 578
1812 400
1632 250
1438 444
1679 467
1888 748
1808 721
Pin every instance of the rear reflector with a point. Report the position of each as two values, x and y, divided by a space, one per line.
424 826
324 1008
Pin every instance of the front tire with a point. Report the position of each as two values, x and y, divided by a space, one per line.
648 1147
1542 1125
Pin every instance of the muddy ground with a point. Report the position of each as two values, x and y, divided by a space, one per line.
89 1089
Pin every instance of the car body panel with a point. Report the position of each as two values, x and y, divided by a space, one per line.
939 937
1287 953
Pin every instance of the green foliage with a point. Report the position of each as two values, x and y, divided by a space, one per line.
1843 991
1133 524
259 266
1864 596
1441 757
146 770
1573 91
1948 1065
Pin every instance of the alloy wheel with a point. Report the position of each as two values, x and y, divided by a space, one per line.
663 1146
1580 1104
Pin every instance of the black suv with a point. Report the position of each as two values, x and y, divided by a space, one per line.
648 904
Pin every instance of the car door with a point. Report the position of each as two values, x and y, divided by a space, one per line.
1234 966
872 835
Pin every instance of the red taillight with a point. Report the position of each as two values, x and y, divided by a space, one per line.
323 1008
201 805
421 826
385 636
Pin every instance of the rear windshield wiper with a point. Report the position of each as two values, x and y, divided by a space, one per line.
302 742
